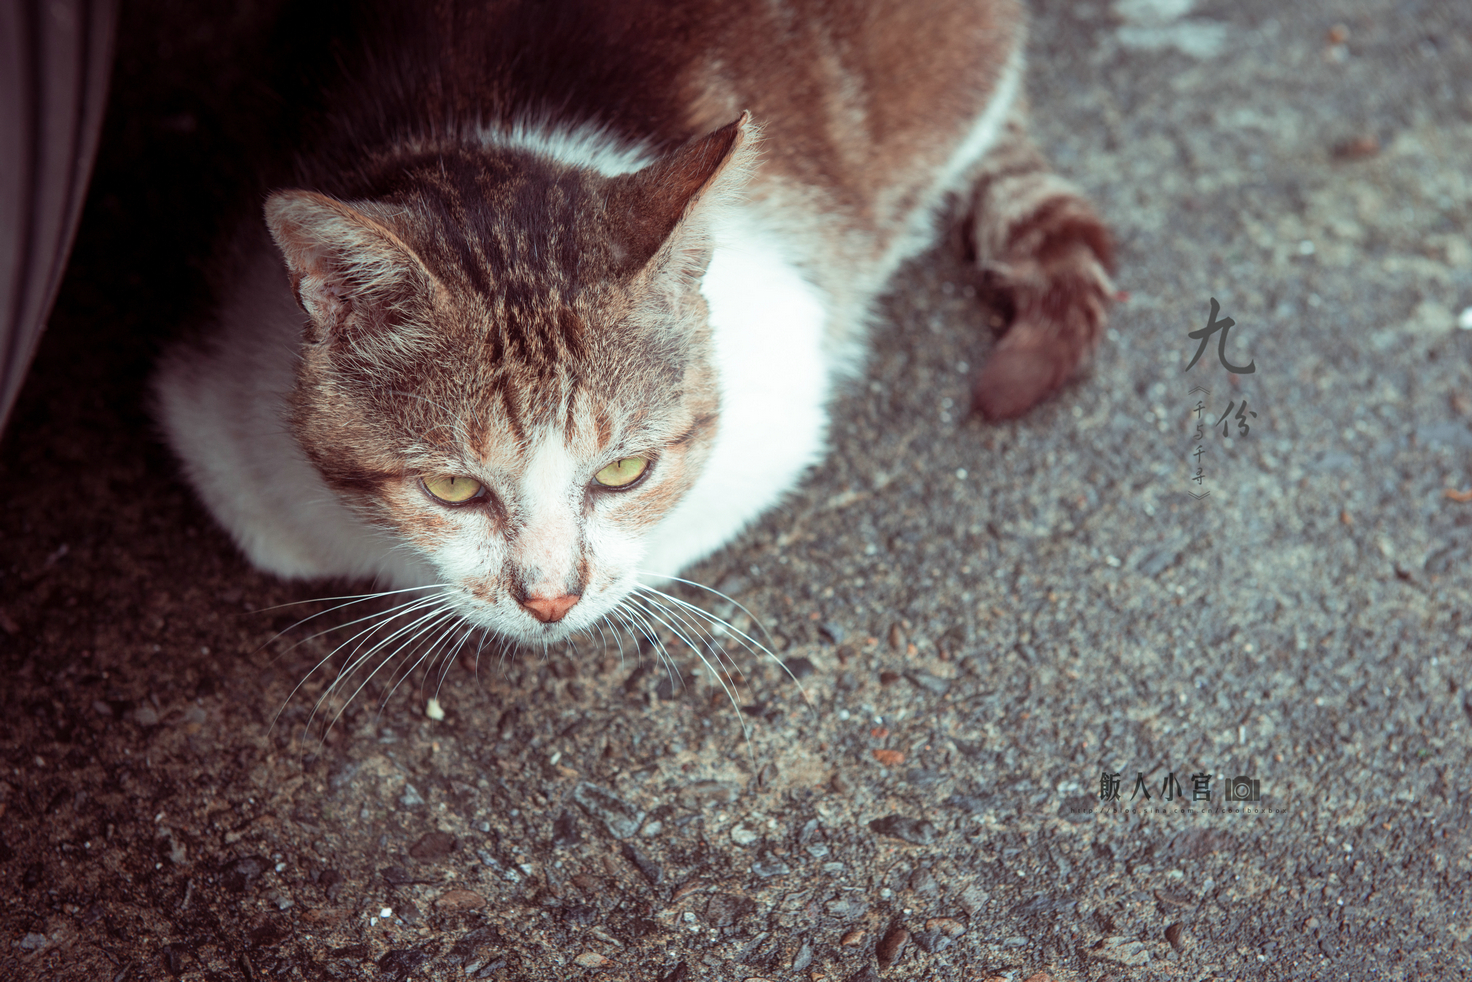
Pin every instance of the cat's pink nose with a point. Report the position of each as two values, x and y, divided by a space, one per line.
549 609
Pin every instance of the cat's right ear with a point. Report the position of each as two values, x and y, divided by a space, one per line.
350 273
654 211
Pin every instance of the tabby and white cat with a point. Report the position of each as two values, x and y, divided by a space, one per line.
567 285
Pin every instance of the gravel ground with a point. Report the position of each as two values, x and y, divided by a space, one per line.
985 620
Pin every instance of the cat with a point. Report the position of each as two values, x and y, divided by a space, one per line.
560 298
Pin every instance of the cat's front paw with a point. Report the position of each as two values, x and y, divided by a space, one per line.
1060 301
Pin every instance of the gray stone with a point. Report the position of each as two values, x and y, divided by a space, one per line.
620 818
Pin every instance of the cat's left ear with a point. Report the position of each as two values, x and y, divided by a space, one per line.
660 214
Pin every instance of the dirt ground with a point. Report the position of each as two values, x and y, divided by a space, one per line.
987 622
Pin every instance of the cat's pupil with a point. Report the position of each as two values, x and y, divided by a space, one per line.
452 489
622 472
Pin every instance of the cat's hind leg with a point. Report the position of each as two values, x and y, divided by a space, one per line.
1042 256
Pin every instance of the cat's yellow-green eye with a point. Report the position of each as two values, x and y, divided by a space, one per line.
450 489
622 472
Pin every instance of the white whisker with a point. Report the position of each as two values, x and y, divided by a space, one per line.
351 601
433 647
711 590
431 652
745 639
355 659
444 615
726 683
454 654
379 618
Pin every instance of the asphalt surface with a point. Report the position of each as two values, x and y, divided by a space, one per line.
987 620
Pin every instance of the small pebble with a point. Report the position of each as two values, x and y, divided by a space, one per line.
1120 951
1357 148
769 866
434 845
508 873
1174 899
622 819
923 882
933 683
704 794
932 942
800 668
460 900
848 908
647 867
917 831
948 926
891 947
402 962
564 830
725 909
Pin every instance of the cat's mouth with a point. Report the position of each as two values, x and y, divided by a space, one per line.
532 620
628 610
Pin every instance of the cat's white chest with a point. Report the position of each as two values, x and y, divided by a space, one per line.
768 324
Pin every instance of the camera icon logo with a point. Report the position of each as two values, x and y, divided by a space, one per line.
1242 788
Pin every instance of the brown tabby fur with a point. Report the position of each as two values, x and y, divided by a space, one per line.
469 294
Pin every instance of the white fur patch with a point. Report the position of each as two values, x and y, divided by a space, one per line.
589 146
768 323
223 408
548 544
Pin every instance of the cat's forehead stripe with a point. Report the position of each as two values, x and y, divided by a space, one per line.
459 202
602 426
513 414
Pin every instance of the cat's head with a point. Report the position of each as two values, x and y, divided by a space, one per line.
507 365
